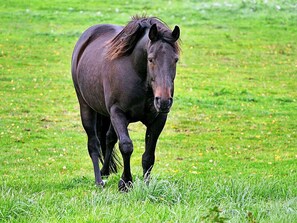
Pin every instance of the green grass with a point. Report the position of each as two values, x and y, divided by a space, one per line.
228 152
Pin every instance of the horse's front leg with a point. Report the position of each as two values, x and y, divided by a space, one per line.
120 124
152 134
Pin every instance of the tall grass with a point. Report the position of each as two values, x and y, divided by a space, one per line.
163 199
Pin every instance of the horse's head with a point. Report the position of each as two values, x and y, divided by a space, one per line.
162 56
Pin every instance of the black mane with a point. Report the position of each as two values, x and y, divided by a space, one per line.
124 43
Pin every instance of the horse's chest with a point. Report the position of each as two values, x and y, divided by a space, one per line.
138 106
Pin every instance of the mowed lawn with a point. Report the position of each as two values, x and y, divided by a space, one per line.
228 152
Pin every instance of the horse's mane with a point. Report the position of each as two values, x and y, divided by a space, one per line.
124 43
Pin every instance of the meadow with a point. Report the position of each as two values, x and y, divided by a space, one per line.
228 152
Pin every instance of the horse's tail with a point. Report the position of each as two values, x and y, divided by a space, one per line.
114 162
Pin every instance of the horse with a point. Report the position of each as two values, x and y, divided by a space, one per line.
123 75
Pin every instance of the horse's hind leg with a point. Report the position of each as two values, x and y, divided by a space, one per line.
89 121
110 160
108 139
102 128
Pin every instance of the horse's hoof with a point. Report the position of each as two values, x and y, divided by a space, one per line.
125 186
100 184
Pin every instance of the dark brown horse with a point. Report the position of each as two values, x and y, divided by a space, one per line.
123 75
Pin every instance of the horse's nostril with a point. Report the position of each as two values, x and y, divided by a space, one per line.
158 100
163 105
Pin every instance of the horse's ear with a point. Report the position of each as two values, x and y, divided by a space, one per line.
153 33
175 33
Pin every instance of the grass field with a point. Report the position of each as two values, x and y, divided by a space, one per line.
228 152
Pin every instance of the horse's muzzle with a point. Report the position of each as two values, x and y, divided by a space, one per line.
163 105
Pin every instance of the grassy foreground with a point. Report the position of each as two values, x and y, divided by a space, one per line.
228 152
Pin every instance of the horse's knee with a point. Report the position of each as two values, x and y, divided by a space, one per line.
126 147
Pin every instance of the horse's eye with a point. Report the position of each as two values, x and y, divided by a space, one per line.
176 60
150 59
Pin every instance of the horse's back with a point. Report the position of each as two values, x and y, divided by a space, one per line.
96 32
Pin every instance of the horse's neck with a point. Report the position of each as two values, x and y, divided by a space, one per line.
139 56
